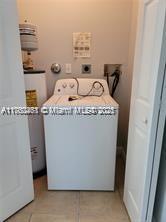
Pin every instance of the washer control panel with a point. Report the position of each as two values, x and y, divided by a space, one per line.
64 85
84 86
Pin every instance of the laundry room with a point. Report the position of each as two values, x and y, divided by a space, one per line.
84 126
112 26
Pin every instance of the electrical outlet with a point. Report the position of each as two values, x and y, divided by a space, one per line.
86 68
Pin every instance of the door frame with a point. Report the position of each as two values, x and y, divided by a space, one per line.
159 73
160 116
156 137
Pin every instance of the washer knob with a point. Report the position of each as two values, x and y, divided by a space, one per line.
64 85
97 86
71 85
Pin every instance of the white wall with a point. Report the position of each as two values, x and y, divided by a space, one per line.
112 24
124 93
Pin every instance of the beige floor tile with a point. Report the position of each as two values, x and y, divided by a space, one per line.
51 218
102 204
29 208
57 202
60 206
19 217
40 185
54 202
101 219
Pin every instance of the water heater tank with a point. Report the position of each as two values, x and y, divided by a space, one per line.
28 37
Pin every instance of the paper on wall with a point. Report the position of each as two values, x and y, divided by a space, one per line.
81 44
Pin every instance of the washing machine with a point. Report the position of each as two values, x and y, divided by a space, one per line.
80 123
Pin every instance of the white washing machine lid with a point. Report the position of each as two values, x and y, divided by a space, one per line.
63 101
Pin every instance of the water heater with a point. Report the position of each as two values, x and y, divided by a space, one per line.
28 37
29 42
36 95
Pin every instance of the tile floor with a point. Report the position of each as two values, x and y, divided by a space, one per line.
75 206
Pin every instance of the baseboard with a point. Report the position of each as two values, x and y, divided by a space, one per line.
121 152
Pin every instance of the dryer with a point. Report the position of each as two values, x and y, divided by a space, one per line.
81 135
